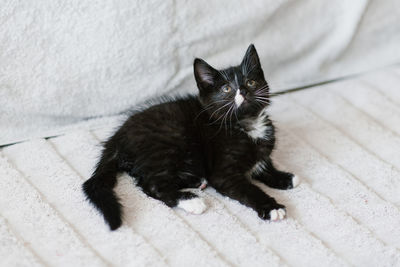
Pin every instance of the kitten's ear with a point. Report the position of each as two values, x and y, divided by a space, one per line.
205 74
251 60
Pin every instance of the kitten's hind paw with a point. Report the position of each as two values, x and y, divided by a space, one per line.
280 180
194 205
273 212
276 215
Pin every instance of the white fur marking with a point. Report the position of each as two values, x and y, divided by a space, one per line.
258 168
281 213
238 98
258 129
295 181
193 205
273 215
276 215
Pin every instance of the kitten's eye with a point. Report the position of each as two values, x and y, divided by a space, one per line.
226 88
250 83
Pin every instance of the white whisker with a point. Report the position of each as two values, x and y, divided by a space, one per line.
218 109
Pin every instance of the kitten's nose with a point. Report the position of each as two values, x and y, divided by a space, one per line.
243 92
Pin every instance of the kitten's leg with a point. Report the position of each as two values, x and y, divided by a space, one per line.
172 196
239 188
274 178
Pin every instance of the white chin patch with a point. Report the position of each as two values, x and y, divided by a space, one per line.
238 98
193 205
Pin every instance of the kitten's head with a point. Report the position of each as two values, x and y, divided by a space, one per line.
240 91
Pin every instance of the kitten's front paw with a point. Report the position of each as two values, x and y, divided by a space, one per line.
295 181
273 212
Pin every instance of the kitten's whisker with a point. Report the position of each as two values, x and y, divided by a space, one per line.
225 118
262 101
205 109
261 97
258 104
216 120
265 86
230 118
263 89
218 109
209 106
236 114
263 94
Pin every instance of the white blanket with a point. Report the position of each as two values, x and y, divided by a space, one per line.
65 61
342 139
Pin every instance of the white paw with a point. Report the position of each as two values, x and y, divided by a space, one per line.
295 181
194 205
276 215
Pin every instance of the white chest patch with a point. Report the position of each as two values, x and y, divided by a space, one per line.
258 129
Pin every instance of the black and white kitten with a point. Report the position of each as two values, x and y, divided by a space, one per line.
222 136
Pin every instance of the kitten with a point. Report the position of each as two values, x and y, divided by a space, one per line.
222 136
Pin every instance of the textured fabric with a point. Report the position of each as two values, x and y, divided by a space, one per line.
342 139
65 61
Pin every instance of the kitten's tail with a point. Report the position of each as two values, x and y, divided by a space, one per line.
99 190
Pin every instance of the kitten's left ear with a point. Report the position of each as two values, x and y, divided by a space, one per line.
251 60
205 74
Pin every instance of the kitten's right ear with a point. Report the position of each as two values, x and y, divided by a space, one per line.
251 61
204 74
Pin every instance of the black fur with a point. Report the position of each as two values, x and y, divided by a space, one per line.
174 145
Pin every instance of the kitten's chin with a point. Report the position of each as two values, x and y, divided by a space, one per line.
250 109
246 104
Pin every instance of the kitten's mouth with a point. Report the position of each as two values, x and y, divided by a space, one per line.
246 102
